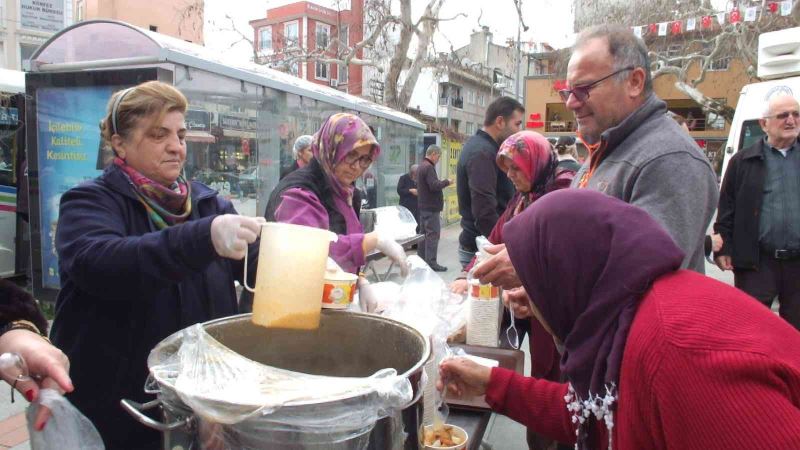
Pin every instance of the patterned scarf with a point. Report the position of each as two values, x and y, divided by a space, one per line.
535 157
165 206
338 136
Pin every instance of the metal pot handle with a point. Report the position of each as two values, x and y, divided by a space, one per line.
136 411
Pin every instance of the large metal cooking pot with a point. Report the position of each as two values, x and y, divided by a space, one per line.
345 345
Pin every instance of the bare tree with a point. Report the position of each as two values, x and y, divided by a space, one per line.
386 45
701 48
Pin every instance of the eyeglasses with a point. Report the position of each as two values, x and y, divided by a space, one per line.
581 93
785 115
363 161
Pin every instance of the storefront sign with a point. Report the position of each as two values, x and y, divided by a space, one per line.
9 116
198 120
42 15
237 123
68 150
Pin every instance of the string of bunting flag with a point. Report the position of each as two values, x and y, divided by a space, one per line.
784 8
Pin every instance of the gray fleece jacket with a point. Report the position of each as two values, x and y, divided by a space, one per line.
649 161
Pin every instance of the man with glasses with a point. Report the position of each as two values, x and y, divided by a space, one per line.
430 204
637 153
759 212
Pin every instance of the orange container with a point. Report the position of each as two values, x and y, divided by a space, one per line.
339 290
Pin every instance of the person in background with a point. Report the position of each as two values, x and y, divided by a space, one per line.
431 204
483 189
407 190
654 357
759 212
567 153
23 330
301 152
636 152
532 165
142 254
322 194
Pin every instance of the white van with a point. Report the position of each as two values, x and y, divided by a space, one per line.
778 62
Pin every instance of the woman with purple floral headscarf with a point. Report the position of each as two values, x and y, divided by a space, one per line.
655 357
322 194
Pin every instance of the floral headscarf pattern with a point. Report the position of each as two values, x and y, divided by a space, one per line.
535 157
338 136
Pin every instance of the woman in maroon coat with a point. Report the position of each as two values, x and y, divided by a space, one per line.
531 164
654 357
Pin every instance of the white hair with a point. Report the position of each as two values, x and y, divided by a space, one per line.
778 94
301 143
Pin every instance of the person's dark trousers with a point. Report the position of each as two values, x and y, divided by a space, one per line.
431 228
774 278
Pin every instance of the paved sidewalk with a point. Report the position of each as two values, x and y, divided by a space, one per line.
13 429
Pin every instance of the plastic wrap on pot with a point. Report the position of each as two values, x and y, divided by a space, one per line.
226 388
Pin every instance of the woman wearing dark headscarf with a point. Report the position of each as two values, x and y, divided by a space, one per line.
655 357
532 165
322 193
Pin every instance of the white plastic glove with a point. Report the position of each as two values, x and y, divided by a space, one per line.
230 234
367 298
394 251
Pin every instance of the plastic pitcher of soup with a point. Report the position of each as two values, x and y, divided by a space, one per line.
289 279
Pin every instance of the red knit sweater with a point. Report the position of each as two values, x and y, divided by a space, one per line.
705 367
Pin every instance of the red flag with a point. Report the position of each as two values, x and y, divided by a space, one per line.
773 7
706 21
653 28
736 16
676 27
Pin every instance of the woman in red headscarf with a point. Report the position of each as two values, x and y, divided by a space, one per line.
531 164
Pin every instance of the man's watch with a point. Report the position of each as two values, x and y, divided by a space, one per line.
22 325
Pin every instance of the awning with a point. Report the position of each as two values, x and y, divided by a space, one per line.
238 133
200 136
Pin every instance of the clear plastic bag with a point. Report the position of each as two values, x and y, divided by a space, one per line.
223 387
395 221
425 304
66 428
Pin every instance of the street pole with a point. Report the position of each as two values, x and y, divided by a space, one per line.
519 47
520 26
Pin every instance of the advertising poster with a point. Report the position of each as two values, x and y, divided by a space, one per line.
69 153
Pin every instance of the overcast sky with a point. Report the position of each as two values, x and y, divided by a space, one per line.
548 21
554 26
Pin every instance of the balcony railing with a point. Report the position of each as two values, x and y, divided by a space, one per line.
457 102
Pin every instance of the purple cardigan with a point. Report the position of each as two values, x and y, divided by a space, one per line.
302 207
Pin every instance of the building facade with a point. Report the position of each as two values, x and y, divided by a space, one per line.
504 61
546 112
289 33
182 19
27 24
